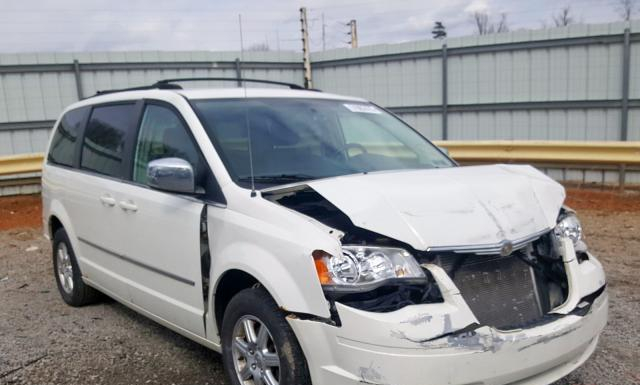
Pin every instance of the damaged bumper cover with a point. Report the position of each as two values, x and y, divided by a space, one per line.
444 343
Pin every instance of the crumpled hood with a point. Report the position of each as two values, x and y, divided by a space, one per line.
475 205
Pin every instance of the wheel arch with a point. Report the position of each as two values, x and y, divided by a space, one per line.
292 285
57 218
230 283
289 293
54 224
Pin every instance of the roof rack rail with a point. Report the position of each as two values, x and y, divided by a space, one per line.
141 88
293 86
168 84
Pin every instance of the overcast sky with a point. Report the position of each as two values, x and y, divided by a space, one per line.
92 25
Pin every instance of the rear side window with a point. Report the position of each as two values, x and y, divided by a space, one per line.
103 149
63 144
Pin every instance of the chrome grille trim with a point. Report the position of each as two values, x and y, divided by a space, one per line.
490 249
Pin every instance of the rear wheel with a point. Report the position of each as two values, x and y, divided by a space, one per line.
67 273
258 345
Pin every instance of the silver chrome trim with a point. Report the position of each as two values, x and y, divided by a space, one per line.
171 174
493 248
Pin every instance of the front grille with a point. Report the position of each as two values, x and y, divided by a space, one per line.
501 291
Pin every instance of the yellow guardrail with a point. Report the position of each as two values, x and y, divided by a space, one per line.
20 164
560 152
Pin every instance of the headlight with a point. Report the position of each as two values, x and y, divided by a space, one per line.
569 227
362 265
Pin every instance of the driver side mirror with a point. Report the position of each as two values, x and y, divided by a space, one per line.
171 174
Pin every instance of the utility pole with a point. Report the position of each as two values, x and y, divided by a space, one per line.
354 33
241 38
324 34
305 48
241 59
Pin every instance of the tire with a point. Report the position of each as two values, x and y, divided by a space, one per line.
257 306
73 290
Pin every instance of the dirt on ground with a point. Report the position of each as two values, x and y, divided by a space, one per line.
44 341
20 212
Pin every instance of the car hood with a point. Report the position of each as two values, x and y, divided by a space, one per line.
448 207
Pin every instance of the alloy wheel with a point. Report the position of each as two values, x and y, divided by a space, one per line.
65 268
255 356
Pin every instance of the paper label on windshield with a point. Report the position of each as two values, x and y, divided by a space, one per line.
362 108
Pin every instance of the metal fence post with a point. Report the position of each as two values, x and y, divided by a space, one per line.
622 176
78 77
238 72
626 63
445 123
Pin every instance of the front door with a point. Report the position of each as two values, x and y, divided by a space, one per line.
162 229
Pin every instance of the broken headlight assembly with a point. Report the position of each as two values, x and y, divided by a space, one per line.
375 279
568 226
365 267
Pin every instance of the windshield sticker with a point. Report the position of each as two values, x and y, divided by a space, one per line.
362 108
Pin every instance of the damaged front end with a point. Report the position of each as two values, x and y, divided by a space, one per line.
519 299
510 285
528 312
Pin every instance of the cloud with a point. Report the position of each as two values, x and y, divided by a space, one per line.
91 25
477 6
417 23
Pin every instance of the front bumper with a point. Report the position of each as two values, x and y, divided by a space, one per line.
422 344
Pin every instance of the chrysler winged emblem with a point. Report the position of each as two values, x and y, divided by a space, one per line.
506 247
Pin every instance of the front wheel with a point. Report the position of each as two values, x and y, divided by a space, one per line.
258 345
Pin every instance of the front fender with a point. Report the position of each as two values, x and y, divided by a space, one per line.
274 245
291 280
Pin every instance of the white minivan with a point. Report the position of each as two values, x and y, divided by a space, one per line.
317 238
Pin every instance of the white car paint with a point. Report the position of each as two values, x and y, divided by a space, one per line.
424 208
449 206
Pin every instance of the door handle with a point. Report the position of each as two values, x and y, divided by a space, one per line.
108 200
128 206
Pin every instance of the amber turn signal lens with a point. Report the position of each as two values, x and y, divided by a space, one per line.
319 259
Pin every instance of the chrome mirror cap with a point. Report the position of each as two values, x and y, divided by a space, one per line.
171 174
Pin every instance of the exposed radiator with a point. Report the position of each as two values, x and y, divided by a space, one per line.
501 291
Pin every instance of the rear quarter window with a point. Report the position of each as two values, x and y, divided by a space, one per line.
65 139
103 149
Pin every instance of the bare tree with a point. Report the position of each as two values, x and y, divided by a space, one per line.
626 8
564 18
502 25
485 26
439 31
481 20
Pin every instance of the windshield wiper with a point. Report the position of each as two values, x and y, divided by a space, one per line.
279 178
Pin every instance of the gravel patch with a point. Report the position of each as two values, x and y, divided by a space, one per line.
44 341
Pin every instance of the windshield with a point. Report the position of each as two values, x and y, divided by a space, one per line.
302 139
